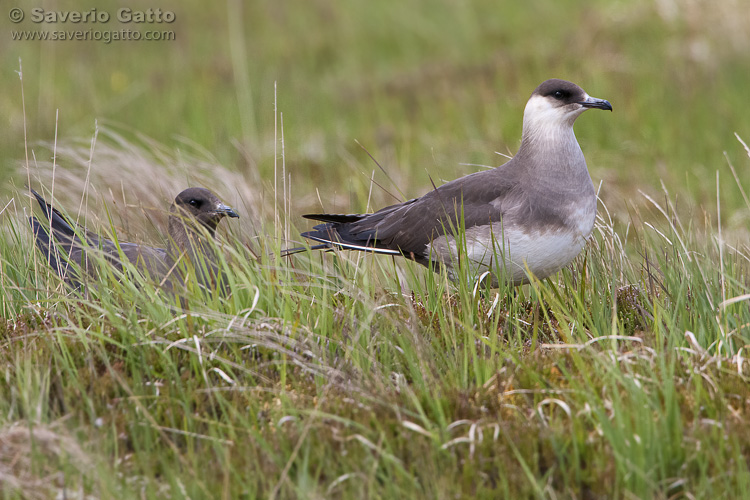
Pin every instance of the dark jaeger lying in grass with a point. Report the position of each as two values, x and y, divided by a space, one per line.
195 212
535 211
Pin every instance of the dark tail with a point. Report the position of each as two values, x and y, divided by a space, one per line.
337 235
60 223
55 245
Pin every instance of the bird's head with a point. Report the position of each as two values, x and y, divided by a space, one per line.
203 206
557 103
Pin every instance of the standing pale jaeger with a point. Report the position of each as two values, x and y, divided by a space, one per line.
533 214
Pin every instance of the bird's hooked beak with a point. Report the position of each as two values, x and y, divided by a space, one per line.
226 210
593 102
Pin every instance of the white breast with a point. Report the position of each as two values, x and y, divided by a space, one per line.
518 251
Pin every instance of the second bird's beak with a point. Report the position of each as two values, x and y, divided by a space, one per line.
593 102
226 210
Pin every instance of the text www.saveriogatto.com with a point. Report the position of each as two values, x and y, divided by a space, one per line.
84 25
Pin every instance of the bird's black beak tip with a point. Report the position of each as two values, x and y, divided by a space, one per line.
597 104
228 211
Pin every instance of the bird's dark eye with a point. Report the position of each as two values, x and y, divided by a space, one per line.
195 203
559 94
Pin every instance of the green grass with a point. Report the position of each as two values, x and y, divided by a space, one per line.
325 377
344 375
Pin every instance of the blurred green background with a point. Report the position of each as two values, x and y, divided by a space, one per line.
429 88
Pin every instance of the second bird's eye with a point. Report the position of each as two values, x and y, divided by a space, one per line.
195 202
559 94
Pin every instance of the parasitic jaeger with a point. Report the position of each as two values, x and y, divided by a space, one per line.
193 212
534 212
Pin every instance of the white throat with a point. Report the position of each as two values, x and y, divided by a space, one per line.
547 125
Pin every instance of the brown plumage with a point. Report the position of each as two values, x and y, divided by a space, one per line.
194 212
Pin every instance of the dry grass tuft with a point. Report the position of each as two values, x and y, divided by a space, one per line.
135 179
30 456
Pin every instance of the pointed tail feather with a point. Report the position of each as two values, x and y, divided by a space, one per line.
329 235
291 251
60 223
335 218
56 239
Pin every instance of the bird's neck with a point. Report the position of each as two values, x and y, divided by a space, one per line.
550 154
547 135
186 237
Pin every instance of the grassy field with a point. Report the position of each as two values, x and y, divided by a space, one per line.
355 376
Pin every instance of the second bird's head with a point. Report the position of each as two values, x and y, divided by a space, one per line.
203 206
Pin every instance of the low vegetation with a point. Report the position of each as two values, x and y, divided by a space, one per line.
345 375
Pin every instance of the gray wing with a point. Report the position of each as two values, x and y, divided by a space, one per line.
477 199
